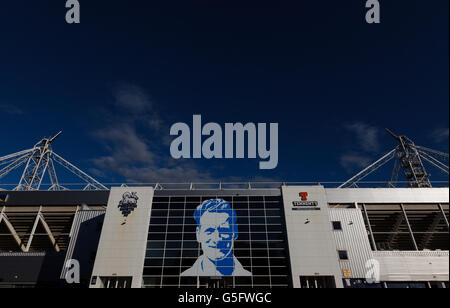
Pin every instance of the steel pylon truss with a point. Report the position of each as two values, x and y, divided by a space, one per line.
40 160
408 158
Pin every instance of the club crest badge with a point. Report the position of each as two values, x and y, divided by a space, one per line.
128 203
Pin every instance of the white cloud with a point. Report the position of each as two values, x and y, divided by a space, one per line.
366 135
10 109
367 143
135 157
440 134
352 161
132 99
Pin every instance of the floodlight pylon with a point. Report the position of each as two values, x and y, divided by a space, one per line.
39 161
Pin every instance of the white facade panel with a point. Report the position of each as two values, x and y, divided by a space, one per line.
387 195
123 241
413 266
354 239
312 248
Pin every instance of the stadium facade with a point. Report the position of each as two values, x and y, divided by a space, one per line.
290 236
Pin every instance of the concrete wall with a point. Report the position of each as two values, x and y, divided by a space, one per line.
33 269
123 240
312 248
413 265
84 240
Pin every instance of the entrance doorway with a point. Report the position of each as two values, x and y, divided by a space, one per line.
317 282
116 282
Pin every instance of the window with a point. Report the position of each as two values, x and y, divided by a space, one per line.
116 282
261 246
343 255
337 225
317 282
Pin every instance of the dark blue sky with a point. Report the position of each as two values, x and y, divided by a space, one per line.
116 82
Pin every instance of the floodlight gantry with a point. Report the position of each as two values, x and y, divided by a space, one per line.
409 158
40 160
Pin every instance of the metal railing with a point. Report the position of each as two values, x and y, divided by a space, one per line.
230 185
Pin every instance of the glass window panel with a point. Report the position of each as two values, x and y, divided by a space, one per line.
160 206
175 229
242 253
280 280
176 221
176 206
272 198
155 244
176 213
273 228
240 199
191 236
174 236
261 280
194 253
170 281
170 262
160 213
160 199
260 228
153 253
275 213
243 280
188 281
256 206
157 229
154 262
244 228
158 221
260 271
260 253
257 213
260 261
173 253
151 281
240 207
173 245
257 221
157 237
256 198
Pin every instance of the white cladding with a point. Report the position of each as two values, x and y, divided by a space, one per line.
313 244
387 195
123 242
352 238
314 252
413 265
312 248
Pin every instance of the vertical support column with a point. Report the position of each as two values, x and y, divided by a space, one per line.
1 214
409 227
33 231
369 225
11 229
443 214
49 232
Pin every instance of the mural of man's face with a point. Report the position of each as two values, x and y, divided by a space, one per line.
216 236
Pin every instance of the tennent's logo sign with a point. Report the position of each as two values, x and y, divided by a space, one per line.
305 204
